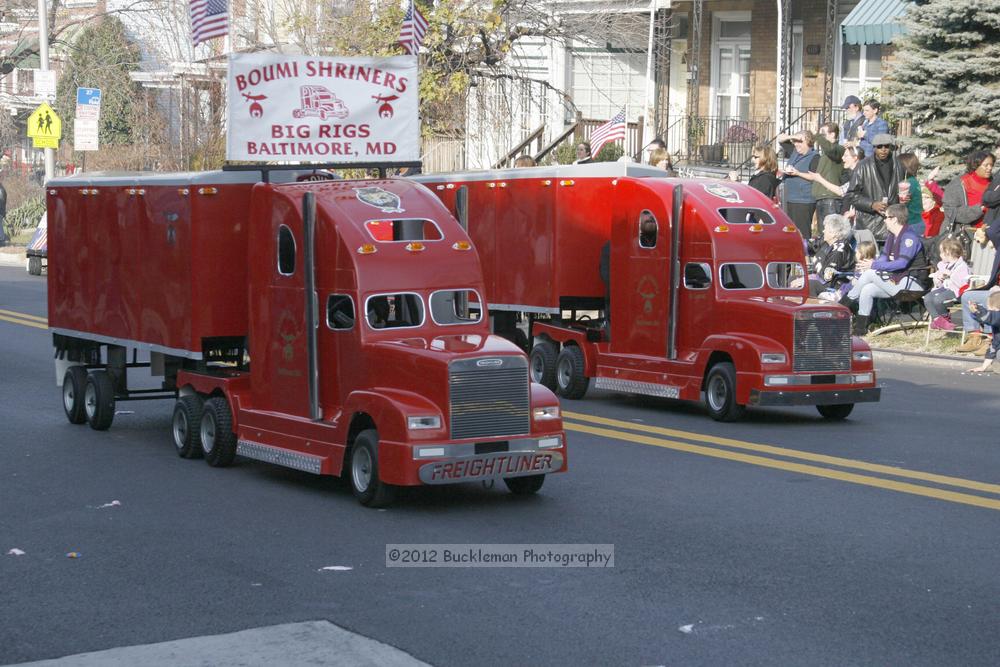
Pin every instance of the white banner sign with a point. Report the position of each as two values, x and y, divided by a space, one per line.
315 109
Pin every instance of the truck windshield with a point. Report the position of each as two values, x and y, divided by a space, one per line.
450 307
786 275
746 216
393 311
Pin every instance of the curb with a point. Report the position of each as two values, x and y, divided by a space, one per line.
13 258
949 361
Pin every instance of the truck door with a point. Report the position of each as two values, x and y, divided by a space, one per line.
640 270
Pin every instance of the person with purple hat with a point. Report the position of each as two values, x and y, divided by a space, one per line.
853 120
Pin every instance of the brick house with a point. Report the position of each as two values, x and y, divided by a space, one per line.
704 74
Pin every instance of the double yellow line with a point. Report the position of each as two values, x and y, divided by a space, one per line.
23 318
736 450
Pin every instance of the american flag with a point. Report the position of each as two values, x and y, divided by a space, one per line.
613 130
209 19
411 35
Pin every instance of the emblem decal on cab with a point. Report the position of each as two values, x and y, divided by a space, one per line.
723 192
483 363
383 200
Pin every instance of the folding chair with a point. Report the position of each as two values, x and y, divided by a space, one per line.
906 304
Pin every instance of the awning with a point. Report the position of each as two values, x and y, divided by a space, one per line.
874 22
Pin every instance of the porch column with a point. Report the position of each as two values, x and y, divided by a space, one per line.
783 65
828 61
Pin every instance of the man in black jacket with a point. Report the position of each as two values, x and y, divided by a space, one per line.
874 186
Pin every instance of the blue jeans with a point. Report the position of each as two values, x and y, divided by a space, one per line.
973 296
871 286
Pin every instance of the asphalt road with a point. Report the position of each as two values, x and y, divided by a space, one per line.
780 540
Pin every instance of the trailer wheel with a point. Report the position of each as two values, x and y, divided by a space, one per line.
571 380
99 400
73 390
720 393
187 426
543 364
835 412
524 486
35 265
366 484
216 430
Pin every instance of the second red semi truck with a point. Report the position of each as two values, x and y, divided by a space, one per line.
704 289
334 327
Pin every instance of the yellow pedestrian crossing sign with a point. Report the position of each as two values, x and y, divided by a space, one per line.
45 127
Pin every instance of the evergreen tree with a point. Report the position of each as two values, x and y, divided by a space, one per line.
102 57
947 77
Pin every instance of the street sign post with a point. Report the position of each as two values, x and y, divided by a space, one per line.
88 111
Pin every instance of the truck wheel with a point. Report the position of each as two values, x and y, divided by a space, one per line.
368 488
35 266
571 381
524 486
99 400
73 389
720 393
835 412
187 426
543 364
216 430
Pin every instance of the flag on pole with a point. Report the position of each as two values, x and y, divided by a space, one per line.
209 19
411 35
613 130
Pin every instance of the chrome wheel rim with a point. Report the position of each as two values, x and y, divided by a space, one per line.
537 368
90 401
717 393
361 469
69 395
564 372
208 433
181 428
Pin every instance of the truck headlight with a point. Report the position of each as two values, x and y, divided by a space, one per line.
548 412
862 378
772 358
776 380
549 443
423 422
864 355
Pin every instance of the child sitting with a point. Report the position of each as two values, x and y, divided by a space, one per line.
866 250
950 280
988 318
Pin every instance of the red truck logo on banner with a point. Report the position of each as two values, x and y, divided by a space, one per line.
318 101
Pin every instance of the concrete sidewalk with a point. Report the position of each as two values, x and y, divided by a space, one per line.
12 256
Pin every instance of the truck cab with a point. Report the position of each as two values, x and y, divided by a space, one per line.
708 292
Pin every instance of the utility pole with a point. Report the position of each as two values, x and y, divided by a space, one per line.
43 53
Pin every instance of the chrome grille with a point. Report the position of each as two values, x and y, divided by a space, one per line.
489 396
823 344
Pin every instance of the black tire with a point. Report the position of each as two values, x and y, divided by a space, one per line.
73 389
542 364
837 412
186 426
218 442
35 266
524 486
571 378
99 400
363 475
720 393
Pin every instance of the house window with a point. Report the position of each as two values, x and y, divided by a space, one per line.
604 82
860 68
731 65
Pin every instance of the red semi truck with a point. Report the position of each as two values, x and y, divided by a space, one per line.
333 327
708 289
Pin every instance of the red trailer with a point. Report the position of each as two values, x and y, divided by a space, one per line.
334 327
708 290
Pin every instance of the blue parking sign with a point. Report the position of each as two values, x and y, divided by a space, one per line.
88 96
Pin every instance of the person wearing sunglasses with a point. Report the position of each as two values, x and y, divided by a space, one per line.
764 178
874 186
